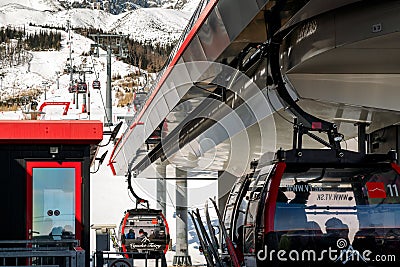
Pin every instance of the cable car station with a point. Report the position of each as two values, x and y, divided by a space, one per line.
290 88
292 105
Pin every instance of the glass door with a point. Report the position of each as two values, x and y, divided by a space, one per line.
54 200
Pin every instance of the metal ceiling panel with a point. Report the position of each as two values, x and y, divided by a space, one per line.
314 8
380 20
194 52
154 118
179 80
201 71
261 3
161 104
213 36
237 14
308 40
170 94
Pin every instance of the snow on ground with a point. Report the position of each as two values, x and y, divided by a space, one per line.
191 6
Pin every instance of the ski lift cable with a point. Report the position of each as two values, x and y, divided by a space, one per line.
101 96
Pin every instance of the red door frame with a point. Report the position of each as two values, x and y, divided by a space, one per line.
78 191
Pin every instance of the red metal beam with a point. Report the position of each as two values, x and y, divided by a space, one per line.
51 132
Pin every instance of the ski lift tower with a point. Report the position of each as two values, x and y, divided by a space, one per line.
70 67
116 43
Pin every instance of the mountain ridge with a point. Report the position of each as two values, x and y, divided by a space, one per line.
154 25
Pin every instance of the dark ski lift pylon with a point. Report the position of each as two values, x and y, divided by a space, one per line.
143 230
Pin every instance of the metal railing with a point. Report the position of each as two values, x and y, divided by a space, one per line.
63 253
114 259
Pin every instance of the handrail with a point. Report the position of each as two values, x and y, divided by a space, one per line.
37 241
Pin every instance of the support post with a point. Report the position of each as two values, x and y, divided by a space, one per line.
362 137
88 103
58 79
99 259
108 90
77 99
181 257
161 174
84 104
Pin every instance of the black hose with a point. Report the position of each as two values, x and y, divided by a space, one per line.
139 200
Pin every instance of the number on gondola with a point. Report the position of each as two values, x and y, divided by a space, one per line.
393 190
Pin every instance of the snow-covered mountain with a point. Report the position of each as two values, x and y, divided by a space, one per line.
112 6
155 25
40 5
120 6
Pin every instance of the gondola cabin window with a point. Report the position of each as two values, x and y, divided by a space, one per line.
144 232
320 208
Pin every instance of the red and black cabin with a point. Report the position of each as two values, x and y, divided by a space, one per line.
305 206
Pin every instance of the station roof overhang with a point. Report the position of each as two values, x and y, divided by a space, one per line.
222 31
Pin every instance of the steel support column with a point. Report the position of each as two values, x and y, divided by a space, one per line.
161 174
108 90
181 257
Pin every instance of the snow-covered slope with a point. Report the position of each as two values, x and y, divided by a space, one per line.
156 24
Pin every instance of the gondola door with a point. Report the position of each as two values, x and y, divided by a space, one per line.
54 200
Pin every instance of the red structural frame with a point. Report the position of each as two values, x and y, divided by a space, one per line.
51 132
270 204
66 104
78 191
122 233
